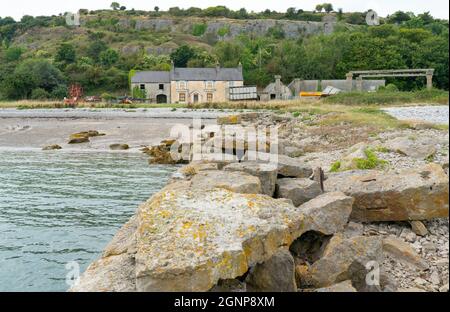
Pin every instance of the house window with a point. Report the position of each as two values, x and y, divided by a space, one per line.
161 86
182 97
209 97
209 85
182 85
231 83
142 86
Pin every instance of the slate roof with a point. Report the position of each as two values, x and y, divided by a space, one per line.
208 74
189 74
151 77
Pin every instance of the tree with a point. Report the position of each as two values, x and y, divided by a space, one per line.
156 9
29 75
115 6
123 8
66 53
319 8
109 57
328 7
182 55
95 49
13 54
398 17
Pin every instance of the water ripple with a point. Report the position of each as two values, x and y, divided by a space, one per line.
62 207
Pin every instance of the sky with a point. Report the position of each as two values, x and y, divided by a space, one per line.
18 8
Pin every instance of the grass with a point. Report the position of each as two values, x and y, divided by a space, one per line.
433 96
371 162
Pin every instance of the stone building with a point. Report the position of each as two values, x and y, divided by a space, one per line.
189 85
276 91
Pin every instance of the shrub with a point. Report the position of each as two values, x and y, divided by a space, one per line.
39 94
199 29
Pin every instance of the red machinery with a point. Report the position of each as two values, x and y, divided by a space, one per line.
75 94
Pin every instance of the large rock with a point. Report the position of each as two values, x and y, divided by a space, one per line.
275 275
340 255
420 147
293 167
298 190
110 274
119 147
345 287
191 239
239 182
267 173
332 209
229 120
404 253
52 147
410 194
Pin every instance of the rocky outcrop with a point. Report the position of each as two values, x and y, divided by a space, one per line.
189 240
410 194
299 191
83 137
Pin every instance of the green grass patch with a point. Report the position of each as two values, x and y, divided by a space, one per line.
371 162
387 97
336 166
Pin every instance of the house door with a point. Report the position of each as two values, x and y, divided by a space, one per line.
161 99
196 98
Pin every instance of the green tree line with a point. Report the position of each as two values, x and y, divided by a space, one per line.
407 41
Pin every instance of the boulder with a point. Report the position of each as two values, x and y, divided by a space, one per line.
239 182
345 286
418 228
192 239
293 167
402 252
124 240
409 194
420 148
229 120
332 209
119 147
79 140
52 147
299 190
267 174
340 255
110 274
275 275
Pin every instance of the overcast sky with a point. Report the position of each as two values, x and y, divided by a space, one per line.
18 8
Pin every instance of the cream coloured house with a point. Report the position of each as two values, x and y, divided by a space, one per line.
189 85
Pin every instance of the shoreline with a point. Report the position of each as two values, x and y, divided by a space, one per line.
242 249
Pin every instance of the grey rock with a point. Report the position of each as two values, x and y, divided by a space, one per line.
267 173
275 275
299 190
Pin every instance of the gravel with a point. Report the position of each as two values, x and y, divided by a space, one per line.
433 114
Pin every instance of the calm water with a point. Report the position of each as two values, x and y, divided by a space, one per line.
58 207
